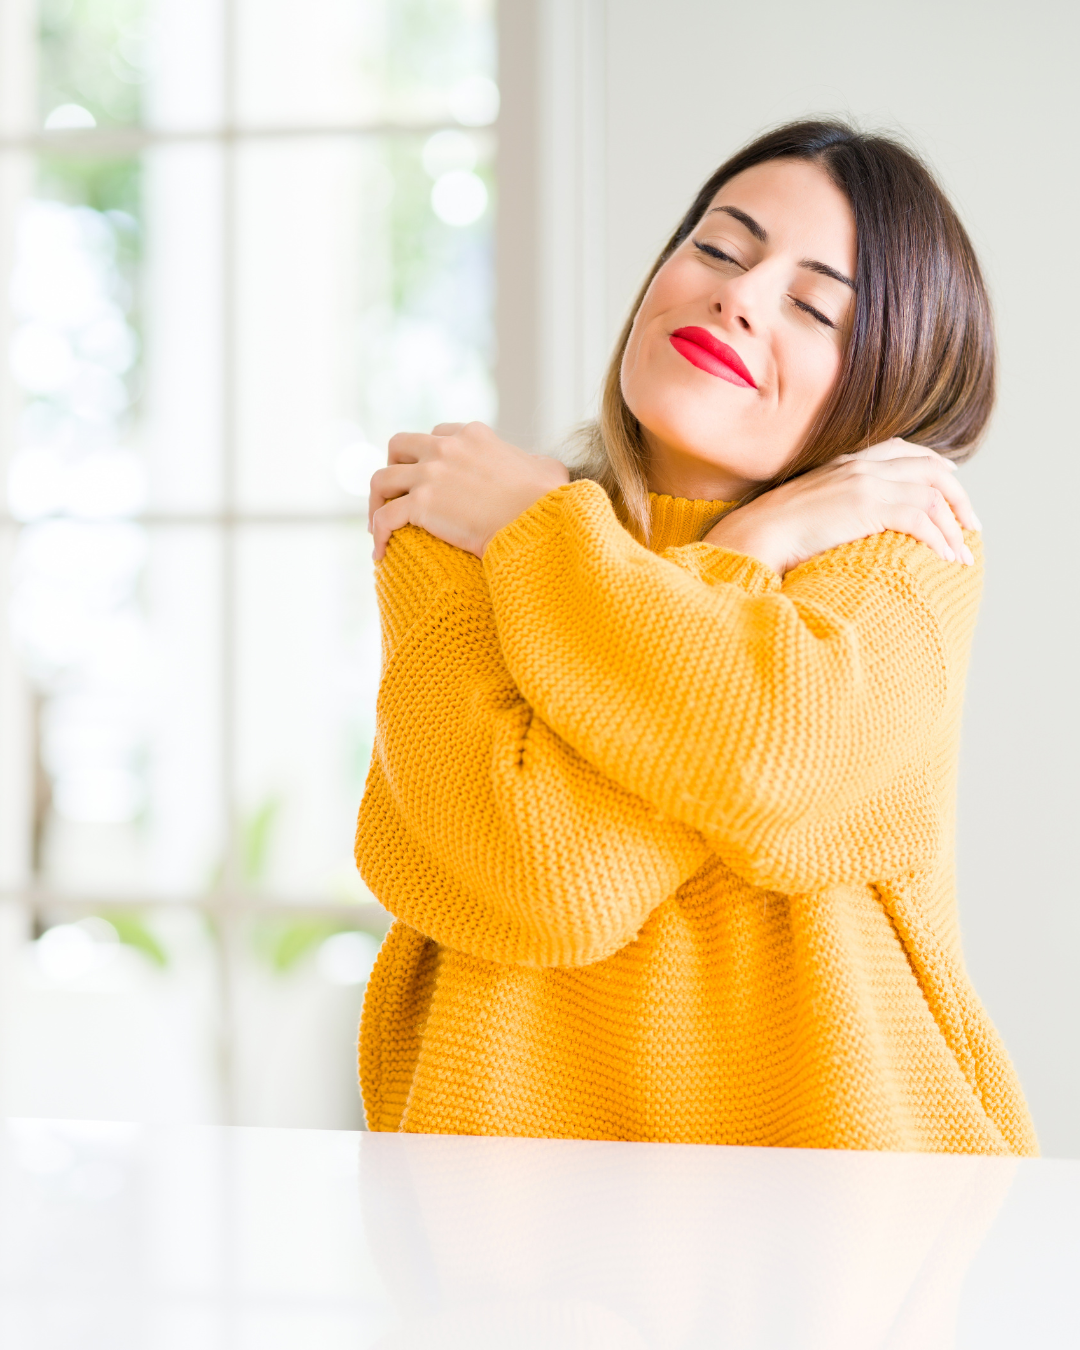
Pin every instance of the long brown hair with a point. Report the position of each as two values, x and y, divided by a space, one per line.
919 357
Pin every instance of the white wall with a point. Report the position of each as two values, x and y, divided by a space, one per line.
987 90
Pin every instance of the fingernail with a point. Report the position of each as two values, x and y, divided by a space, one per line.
969 557
949 554
978 523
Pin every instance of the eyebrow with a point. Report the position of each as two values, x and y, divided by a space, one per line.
758 231
762 236
823 269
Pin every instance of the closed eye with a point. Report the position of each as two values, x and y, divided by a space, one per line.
713 252
815 313
718 253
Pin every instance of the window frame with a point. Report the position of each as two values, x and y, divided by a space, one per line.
228 904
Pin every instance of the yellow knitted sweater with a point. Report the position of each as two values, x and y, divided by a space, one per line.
669 842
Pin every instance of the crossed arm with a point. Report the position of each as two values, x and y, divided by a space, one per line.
773 724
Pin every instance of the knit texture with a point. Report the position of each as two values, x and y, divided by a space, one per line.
669 842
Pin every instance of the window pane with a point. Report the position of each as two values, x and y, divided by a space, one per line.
93 62
308 671
160 63
117 629
361 312
180 324
299 989
114 1017
200 332
75 352
334 62
182 45
18 69
111 63
116 341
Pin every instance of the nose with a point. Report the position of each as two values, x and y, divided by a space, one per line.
742 300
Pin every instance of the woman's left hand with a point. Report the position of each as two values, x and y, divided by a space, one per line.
462 484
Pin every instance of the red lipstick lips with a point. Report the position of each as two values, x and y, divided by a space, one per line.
712 356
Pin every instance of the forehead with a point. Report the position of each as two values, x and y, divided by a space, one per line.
798 206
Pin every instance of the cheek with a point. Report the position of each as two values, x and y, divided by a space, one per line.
642 381
668 290
628 371
814 367
635 374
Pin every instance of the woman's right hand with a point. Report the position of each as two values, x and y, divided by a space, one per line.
891 486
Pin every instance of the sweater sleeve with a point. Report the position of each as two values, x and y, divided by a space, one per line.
788 723
480 827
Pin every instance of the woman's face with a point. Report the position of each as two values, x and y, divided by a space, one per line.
737 343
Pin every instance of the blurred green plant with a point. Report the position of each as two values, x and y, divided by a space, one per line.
112 187
434 43
104 184
256 836
93 53
427 256
283 943
132 930
96 53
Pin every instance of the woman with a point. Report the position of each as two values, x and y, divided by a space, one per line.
663 791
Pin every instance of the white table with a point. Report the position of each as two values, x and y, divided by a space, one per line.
158 1238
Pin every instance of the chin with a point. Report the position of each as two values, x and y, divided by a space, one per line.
682 450
706 440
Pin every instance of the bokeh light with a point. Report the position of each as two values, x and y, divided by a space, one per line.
70 117
447 150
474 101
347 958
459 197
69 951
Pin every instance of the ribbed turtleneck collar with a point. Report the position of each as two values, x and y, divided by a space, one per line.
677 520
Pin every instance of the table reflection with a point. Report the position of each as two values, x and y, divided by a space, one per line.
498 1243
128 1237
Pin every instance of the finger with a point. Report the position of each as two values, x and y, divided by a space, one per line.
410 447
393 516
906 518
447 428
959 502
895 448
889 449
941 513
931 470
388 483
941 529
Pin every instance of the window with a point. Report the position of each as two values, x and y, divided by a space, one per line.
246 242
